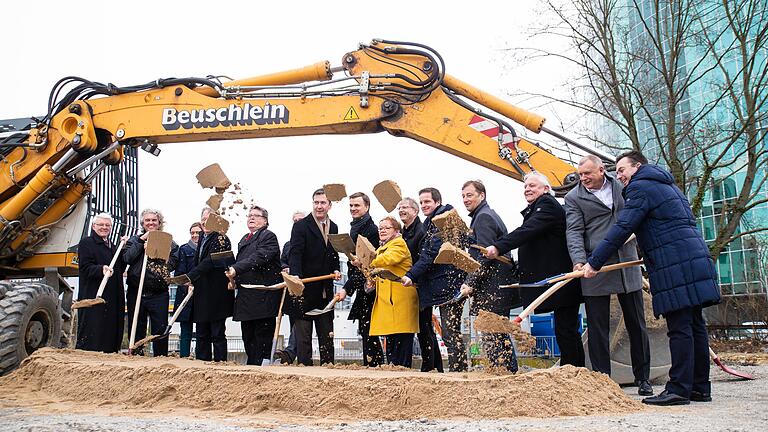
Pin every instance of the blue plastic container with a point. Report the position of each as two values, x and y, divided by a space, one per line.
543 328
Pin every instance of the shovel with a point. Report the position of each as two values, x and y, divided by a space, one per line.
329 307
158 245
282 285
175 316
385 274
501 258
98 300
267 362
573 275
726 369
540 299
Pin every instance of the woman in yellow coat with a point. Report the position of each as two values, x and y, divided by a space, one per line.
396 310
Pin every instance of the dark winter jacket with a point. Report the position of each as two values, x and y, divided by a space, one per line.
100 327
542 252
285 254
186 264
157 270
363 304
435 283
486 228
311 256
681 271
258 263
212 300
413 235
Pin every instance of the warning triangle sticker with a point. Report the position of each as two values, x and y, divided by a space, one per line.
351 114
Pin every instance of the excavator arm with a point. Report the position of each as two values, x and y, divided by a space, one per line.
396 87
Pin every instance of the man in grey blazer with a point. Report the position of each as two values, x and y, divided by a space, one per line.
591 209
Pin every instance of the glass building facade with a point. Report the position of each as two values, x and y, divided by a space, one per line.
742 264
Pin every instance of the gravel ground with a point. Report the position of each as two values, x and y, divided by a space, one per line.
736 406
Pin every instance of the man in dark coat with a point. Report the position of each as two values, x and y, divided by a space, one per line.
591 209
438 284
359 204
213 301
681 271
413 234
258 263
186 264
542 252
313 255
155 297
486 228
100 327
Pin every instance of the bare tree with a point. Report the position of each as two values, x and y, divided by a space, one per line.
683 80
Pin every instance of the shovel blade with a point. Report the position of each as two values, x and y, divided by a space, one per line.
733 372
88 303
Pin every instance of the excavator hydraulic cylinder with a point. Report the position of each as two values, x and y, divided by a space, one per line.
320 71
38 185
56 211
529 120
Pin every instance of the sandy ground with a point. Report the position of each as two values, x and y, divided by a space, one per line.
26 405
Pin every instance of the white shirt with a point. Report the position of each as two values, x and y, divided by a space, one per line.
605 193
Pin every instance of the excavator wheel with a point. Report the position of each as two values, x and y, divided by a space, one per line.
30 318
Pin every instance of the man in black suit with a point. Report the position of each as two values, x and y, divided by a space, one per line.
312 255
258 263
212 302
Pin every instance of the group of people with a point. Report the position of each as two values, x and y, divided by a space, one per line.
591 230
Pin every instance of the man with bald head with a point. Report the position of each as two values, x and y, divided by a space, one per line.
591 208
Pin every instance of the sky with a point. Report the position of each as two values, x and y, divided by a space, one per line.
128 43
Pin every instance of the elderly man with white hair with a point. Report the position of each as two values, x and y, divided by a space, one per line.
542 252
100 327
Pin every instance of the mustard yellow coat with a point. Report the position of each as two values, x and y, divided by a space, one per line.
396 309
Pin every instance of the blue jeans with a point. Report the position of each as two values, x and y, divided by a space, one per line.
185 340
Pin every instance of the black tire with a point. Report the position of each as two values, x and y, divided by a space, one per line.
30 318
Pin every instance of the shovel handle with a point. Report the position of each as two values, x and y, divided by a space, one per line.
501 258
112 263
137 304
580 273
540 299
177 312
318 278
611 267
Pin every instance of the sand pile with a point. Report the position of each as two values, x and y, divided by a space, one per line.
651 322
86 381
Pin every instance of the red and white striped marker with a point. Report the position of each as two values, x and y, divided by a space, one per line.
491 129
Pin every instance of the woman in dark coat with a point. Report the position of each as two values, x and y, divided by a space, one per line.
100 327
543 252
257 263
213 301
186 264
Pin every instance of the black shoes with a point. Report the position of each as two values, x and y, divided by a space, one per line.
284 357
701 397
666 398
644 388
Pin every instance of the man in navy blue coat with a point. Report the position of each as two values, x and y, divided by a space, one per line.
681 272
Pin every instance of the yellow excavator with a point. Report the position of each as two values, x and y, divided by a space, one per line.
80 157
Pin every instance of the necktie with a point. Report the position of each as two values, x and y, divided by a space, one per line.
249 236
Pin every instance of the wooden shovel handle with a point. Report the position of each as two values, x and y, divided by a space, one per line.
104 279
318 278
611 267
540 299
501 258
